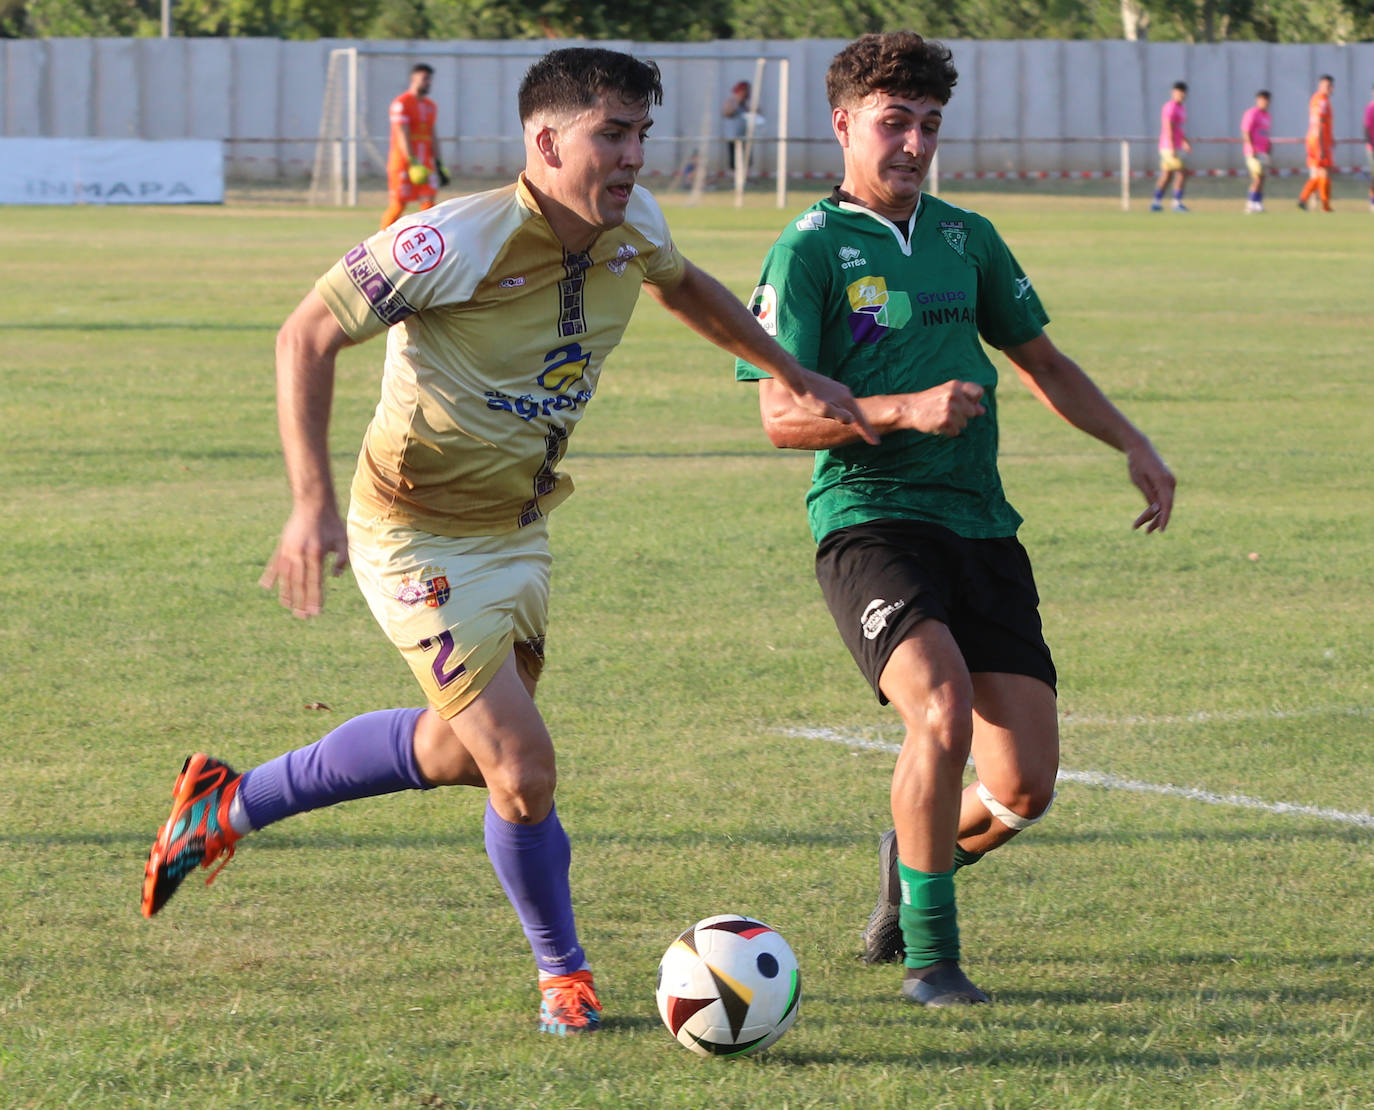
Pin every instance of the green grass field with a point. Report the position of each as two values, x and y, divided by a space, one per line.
1146 948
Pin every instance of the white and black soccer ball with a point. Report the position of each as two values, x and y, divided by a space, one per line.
727 986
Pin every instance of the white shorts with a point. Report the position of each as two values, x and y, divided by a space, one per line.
454 607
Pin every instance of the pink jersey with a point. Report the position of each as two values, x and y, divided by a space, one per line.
1369 123
1254 125
1172 117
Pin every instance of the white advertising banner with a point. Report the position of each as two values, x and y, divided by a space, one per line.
111 171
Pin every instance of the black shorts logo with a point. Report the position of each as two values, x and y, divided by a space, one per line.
875 615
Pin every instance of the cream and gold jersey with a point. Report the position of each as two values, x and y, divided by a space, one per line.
496 340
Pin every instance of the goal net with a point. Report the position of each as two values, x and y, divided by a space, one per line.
704 149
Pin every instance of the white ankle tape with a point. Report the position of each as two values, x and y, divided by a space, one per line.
1010 818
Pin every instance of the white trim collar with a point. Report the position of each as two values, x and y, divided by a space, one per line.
903 241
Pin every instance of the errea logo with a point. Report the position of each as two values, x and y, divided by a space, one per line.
851 257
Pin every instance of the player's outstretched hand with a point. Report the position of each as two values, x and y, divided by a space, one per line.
1156 481
308 543
832 400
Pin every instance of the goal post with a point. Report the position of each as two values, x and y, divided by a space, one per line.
346 148
335 172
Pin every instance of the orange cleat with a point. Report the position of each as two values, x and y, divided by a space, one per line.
569 1004
196 834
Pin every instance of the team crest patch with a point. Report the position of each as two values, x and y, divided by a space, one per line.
812 221
955 235
429 586
622 259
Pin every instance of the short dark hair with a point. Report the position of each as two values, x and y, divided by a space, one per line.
1327 77
1181 86
1264 93
422 67
897 62
573 78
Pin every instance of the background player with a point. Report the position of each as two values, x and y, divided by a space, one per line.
1369 144
1254 136
736 111
1173 148
500 309
414 155
889 290
1320 145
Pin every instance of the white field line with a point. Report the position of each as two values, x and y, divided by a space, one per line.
1116 782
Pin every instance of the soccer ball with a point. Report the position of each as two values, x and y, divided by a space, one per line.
727 986
419 173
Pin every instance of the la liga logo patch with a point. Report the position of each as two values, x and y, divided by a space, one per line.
764 305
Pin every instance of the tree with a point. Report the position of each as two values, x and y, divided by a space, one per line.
92 18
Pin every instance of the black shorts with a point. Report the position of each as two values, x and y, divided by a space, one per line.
882 578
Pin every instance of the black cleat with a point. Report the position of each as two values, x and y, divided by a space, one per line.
882 936
941 984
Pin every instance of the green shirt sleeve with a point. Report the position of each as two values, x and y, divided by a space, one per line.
1009 311
788 305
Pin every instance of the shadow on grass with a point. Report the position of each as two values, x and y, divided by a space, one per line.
466 831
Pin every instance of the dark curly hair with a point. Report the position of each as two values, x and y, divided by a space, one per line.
897 62
572 78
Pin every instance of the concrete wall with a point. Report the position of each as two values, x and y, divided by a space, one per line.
1019 106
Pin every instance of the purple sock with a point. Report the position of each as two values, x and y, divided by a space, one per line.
365 756
532 863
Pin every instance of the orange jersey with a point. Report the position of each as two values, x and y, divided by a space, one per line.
1320 140
417 115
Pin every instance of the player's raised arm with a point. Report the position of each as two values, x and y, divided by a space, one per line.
307 347
1064 388
708 308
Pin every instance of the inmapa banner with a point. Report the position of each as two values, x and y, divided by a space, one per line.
111 171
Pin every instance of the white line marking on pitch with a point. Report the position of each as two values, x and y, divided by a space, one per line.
1116 782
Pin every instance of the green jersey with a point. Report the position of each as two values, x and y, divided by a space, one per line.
890 310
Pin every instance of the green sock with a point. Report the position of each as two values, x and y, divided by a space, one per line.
929 920
966 859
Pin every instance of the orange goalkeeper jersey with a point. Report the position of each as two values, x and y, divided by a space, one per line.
417 114
1320 140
